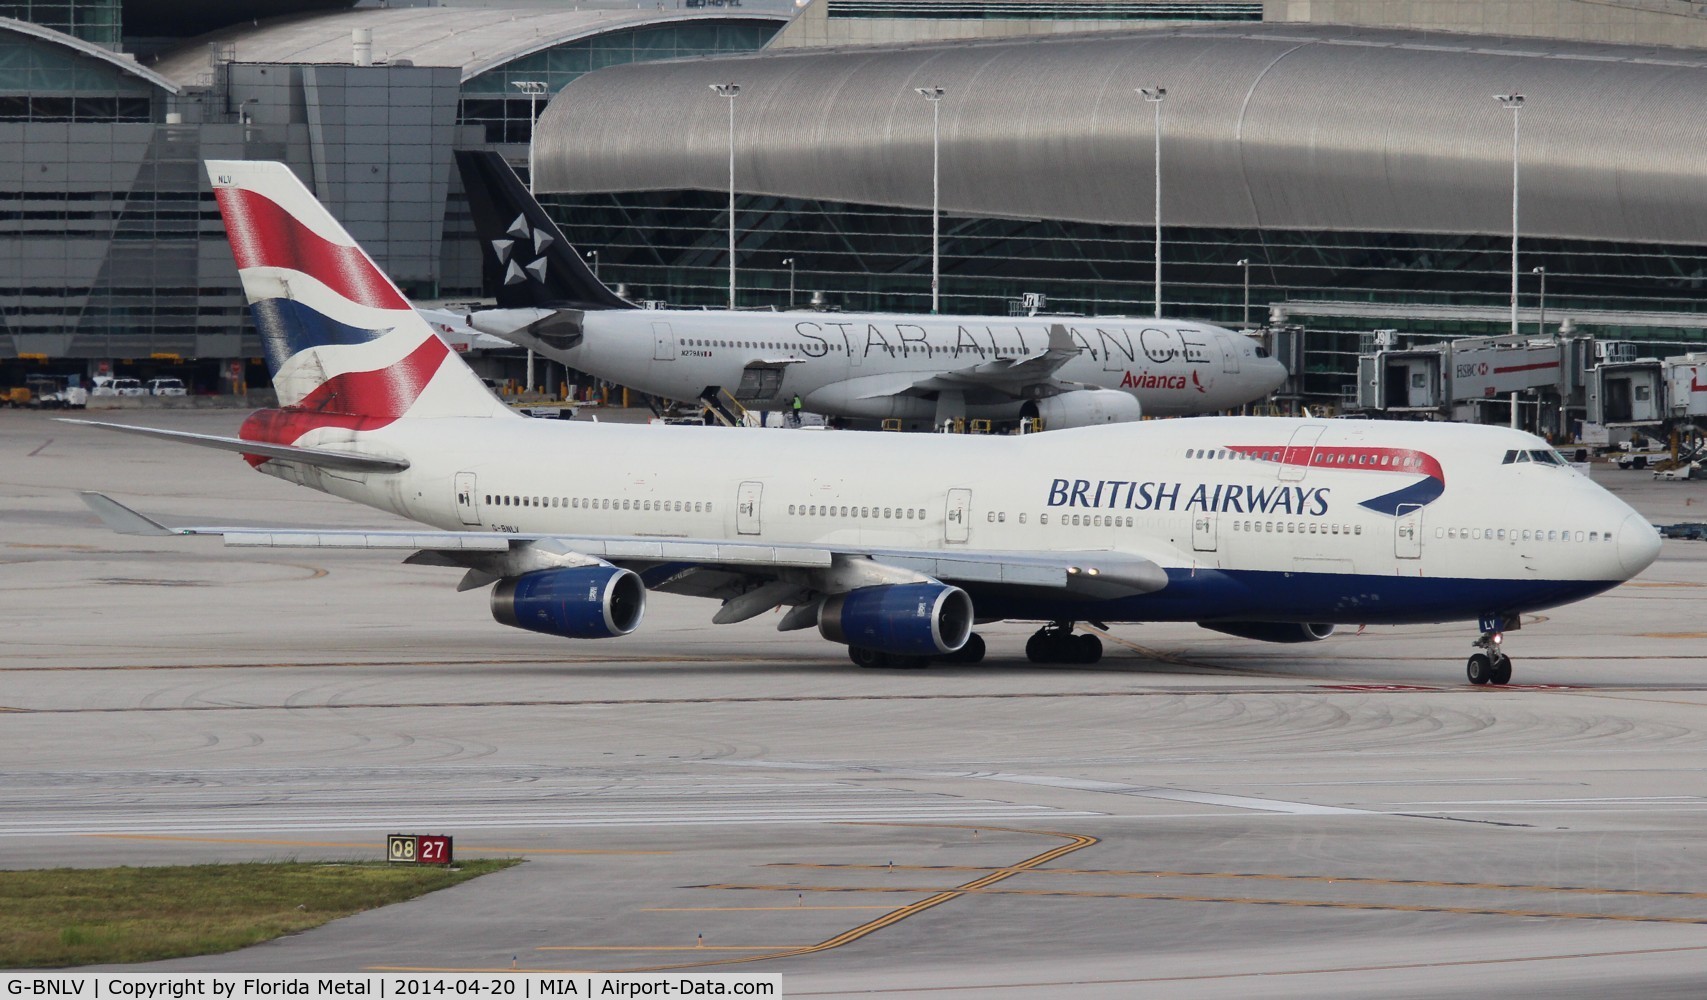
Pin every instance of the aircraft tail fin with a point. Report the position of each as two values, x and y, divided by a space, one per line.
524 254
345 348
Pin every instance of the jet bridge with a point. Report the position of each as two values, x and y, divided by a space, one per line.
1650 392
1475 379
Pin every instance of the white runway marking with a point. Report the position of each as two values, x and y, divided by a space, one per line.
1081 784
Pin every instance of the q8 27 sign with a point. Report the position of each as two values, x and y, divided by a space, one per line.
417 849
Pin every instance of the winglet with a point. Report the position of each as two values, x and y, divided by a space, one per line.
122 519
1061 340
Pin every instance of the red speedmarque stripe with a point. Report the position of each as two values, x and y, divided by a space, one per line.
265 235
357 401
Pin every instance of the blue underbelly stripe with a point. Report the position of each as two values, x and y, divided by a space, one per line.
1260 595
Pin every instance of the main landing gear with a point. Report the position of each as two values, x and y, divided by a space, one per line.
1489 665
1057 643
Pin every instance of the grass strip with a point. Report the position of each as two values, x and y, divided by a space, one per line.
56 917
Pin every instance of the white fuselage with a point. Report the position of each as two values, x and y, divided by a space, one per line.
861 365
1229 494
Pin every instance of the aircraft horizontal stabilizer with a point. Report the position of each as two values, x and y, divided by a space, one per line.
122 519
341 460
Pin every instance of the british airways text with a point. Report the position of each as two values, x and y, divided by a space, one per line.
1230 498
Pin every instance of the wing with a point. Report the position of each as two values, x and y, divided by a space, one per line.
1028 377
748 577
987 383
344 460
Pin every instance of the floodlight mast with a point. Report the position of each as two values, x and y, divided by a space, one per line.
1513 102
535 89
1155 95
731 91
934 95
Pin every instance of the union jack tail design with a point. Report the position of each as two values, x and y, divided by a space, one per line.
346 350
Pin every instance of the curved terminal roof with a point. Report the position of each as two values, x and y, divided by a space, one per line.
91 50
1278 127
476 39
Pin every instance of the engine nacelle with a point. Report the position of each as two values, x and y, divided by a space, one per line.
1273 631
1083 408
907 619
582 602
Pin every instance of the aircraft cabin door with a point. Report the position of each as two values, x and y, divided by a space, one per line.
1203 532
466 507
747 508
663 342
958 523
1407 531
1296 460
1229 357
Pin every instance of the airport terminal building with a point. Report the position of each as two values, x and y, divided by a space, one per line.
1339 166
112 254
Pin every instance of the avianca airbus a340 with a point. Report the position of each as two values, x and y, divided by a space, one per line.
1067 371
1266 528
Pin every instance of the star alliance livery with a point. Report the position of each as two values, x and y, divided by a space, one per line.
894 545
1068 372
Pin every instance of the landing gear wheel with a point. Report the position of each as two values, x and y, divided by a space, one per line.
1480 669
868 658
1489 664
1056 643
972 652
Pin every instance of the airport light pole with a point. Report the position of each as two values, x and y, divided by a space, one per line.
731 91
1246 264
934 95
1513 102
790 262
593 256
1154 95
1542 326
535 89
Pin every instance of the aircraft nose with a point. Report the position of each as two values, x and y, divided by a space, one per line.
1638 545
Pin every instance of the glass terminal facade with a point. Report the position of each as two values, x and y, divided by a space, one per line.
491 100
97 21
671 247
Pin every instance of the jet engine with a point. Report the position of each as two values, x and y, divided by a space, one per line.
1083 408
582 602
909 619
1273 631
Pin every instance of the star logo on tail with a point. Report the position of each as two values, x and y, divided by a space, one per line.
524 243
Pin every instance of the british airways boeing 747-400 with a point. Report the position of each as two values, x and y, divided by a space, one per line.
894 545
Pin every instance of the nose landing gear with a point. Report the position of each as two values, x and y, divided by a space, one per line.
1490 665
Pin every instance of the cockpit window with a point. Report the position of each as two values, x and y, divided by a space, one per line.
1546 456
1261 352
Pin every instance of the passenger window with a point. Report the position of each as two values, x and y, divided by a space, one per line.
1001 517
990 516
1043 519
1359 530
